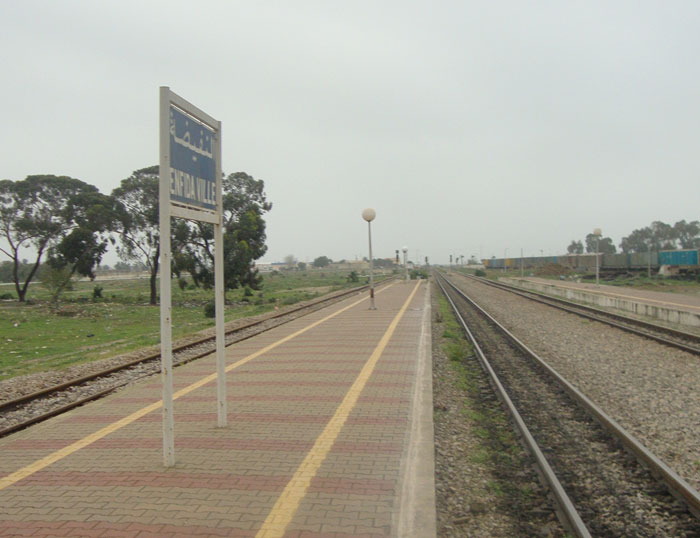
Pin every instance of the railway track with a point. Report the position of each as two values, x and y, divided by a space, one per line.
665 335
29 409
599 487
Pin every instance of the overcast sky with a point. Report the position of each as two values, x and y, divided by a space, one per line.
471 127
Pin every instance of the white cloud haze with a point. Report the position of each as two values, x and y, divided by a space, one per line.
471 127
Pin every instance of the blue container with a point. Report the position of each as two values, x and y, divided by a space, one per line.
678 257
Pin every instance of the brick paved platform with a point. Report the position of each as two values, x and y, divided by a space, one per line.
329 435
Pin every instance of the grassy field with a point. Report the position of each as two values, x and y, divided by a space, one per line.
33 337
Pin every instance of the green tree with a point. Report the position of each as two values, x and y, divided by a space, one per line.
576 247
139 229
7 270
687 233
661 236
638 241
92 217
244 204
123 267
35 213
322 261
605 245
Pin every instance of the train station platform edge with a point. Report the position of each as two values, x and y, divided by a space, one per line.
330 435
674 308
416 514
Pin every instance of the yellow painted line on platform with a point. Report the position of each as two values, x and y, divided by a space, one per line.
38 465
282 513
42 463
621 295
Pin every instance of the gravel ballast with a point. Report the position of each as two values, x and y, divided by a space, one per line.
652 390
485 482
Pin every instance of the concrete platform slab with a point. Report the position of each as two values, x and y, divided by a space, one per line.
330 434
668 307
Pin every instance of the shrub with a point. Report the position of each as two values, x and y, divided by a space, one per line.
352 277
210 309
97 291
417 274
480 272
182 283
247 292
6 296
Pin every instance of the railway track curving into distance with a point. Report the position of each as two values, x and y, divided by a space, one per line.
28 409
605 482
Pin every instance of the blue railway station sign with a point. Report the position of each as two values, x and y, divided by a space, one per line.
190 188
192 161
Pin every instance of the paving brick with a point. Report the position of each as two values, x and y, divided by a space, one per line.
226 480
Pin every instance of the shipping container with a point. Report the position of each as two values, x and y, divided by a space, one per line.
581 262
568 260
642 260
614 261
678 257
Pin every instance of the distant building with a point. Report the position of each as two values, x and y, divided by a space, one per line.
265 267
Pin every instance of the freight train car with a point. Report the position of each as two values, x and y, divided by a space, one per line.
687 260
679 258
642 260
578 262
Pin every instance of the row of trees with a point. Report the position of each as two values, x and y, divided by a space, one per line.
71 224
657 236
324 261
291 262
661 236
605 245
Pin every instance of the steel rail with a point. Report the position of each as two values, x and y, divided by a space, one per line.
596 314
55 411
572 520
16 402
676 485
97 395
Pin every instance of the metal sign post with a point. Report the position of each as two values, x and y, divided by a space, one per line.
190 188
